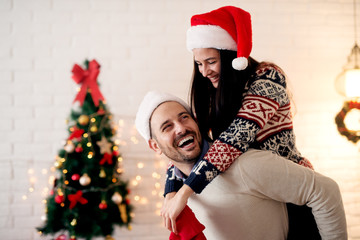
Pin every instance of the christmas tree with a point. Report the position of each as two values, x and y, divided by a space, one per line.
88 198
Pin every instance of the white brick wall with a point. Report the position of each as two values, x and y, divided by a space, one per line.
141 46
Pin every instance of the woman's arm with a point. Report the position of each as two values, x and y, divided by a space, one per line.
172 183
262 100
174 205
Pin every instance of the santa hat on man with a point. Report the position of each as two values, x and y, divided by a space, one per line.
226 28
151 101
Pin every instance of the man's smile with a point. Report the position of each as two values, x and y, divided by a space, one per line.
186 141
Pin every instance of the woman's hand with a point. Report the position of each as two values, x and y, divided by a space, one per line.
168 197
174 203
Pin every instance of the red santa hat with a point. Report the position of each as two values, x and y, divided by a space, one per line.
224 28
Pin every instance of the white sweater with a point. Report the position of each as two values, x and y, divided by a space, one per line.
247 201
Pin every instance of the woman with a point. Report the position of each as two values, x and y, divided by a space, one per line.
239 103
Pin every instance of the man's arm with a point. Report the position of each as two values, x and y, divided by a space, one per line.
271 176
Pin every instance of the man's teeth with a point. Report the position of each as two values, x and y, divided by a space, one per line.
189 138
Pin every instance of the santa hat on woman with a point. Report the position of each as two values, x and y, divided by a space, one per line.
224 28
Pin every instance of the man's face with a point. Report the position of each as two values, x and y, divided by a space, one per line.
175 133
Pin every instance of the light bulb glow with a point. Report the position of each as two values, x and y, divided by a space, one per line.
352 83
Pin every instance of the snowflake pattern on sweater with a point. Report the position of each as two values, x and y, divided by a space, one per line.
263 122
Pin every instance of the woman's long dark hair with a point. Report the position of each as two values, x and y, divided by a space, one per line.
216 108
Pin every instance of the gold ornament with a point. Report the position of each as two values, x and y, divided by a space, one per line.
93 129
73 222
102 173
116 198
109 237
58 163
123 215
129 227
85 180
105 146
83 120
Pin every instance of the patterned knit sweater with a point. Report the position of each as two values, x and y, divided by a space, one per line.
263 122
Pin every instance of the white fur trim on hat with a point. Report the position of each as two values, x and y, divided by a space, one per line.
209 36
150 102
240 63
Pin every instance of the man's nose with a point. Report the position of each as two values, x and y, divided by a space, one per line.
179 128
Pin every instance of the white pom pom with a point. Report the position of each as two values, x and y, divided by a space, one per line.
240 63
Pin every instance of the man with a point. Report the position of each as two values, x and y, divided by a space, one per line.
248 200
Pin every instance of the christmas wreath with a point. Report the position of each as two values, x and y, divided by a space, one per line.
352 136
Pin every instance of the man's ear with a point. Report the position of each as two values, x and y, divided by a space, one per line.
154 146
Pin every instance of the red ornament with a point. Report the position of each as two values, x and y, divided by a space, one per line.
59 199
87 78
101 111
115 153
75 177
79 149
61 237
127 201
103 205
76 134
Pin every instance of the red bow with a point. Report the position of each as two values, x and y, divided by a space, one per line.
75 198
88 80
106 158
77 133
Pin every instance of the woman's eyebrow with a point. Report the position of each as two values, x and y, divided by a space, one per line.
207 59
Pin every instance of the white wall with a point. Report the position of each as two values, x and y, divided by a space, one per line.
141 46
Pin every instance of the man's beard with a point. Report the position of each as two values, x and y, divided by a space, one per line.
177 156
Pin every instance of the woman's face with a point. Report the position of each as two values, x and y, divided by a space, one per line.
208 62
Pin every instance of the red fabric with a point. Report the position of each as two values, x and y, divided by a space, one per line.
189 228
235 21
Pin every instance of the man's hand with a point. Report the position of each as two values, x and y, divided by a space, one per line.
174 203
